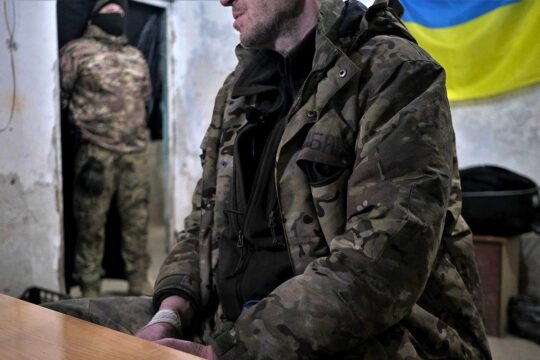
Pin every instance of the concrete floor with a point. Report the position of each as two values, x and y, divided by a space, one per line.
504 348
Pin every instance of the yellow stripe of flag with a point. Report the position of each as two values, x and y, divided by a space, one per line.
489 55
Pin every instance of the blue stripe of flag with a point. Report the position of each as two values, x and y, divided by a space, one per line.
446 13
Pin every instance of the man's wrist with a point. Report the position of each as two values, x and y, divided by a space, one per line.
169 317
181 306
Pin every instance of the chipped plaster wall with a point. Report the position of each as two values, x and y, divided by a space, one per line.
30 186
202 51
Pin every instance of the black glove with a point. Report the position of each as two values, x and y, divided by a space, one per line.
91 179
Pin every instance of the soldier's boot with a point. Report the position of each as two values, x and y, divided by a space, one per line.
139 285
91 290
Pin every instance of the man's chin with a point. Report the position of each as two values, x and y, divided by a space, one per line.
250 46
247 43
251 42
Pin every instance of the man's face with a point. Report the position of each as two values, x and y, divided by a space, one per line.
261 22
111 8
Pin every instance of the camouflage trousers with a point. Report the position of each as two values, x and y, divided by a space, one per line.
126 314
99 175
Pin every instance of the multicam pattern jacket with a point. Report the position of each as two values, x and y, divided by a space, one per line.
383 260
105 85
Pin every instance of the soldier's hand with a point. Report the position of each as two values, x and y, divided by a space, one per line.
156 332
206 352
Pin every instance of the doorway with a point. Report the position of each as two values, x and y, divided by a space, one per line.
146 30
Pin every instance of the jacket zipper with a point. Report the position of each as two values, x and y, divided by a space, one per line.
258 181
237 227
298 100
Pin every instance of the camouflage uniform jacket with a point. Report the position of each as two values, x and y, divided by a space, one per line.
105 84
383 260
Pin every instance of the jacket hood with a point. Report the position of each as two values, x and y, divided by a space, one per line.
94 32
342 22
100 3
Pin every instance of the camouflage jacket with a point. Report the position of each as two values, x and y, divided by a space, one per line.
105 84
383 260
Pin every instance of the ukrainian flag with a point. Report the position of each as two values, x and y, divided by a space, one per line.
487 47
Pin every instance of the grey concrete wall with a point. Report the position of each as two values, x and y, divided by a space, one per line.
30 183
503 130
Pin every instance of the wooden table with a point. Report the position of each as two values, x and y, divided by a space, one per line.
29 331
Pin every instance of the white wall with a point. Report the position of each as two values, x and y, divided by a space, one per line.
30 168
503 130
203 54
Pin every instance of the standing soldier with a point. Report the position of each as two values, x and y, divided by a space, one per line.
105 85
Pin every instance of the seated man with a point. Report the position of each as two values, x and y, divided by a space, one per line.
327 220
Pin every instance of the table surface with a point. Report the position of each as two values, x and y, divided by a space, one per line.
29 331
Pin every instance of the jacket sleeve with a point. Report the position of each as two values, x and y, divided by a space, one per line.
397 196
69 64
147 82
180 273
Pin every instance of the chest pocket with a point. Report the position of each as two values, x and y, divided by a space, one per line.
323 158
326 158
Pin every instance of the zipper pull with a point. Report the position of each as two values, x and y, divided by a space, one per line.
243 257
240 241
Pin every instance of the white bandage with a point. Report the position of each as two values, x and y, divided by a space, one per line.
168 317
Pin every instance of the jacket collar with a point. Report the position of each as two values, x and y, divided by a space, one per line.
96 33
261 71
329 15
341 25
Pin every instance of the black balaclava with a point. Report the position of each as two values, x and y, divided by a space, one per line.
111 23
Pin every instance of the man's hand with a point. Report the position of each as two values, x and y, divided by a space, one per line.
156 331
203 351
164 330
